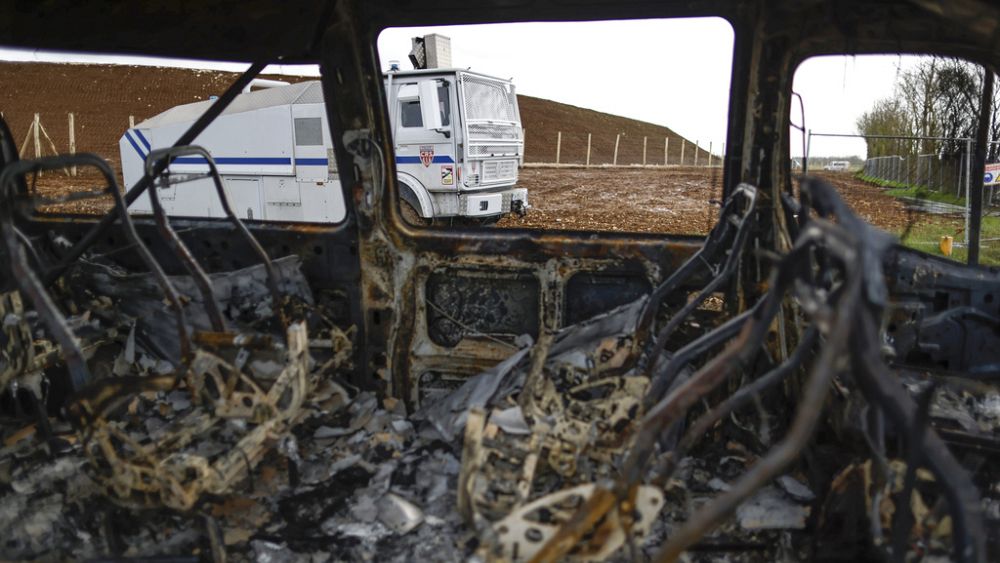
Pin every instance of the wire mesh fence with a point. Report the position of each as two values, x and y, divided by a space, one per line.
931 176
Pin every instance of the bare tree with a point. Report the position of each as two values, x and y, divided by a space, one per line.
887 117
939 97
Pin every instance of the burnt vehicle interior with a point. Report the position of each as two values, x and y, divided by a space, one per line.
794 385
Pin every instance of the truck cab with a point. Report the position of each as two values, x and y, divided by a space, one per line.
458 142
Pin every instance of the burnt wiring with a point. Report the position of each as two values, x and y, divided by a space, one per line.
834 273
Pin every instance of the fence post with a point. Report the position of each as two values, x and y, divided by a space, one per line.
27 137
968 194
34 131
72 140
710 154
618 137
696 153
588 150
958 184
644 150
666 145
558 145
682 150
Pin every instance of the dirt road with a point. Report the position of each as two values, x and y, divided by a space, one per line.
671 200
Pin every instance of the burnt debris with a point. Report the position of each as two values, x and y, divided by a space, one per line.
212 415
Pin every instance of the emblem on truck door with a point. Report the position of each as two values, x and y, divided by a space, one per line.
426 154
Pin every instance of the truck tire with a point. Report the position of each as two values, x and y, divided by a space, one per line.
411 215
488 221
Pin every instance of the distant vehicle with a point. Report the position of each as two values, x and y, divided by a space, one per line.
837 166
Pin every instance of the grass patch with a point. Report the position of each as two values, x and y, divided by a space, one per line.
926 236
899 189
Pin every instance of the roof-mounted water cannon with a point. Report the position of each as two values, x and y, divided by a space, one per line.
431 51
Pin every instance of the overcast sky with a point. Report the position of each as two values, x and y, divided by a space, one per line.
669 72
836 91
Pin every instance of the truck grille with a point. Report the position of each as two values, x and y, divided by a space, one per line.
494 131
493 150
499 170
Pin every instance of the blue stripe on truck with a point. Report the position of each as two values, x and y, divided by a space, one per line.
142 139
135 145
224 160
259 160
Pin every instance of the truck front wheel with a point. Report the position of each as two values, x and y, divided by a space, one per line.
411 215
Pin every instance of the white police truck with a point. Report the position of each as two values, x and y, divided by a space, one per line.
457 136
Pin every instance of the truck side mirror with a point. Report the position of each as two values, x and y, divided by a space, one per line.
430 107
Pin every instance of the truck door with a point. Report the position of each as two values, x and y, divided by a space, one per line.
424 132
244 197
317 196
310 148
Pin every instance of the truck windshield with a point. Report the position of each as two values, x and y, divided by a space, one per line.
490 100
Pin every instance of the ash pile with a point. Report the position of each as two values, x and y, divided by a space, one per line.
208 417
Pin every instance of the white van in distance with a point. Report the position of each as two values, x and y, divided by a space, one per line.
837 166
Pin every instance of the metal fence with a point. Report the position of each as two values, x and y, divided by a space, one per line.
609 148
929 171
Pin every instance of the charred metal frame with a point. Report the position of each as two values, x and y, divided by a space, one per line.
28 280
157 172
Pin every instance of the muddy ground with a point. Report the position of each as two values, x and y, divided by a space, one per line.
674 200
671 200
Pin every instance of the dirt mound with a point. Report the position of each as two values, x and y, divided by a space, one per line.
544 119
102 97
